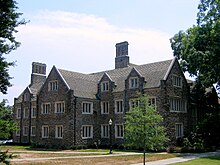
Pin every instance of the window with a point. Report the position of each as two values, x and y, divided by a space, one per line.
53 86
17 131
60 107
105 131
119 131
119 108
59 131
18 113
134 103
87 131
26 97
104 107
25 130
152 101
177 105
33 130
45 131
45 108
179 130
133 82
87 108
33 112
176 81
25 114
104 86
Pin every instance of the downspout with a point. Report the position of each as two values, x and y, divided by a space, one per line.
74 120
29 132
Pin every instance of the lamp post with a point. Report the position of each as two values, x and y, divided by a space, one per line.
110 136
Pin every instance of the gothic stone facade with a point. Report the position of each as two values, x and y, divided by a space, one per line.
69 108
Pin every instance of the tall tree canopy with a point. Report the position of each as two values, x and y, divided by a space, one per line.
9 20
7 125
198 48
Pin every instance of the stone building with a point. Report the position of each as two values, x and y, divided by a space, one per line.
69 108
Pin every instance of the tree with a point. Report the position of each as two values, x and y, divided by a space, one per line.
7 125
9 20
143 127
198 47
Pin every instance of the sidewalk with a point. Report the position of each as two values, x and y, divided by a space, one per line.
180 159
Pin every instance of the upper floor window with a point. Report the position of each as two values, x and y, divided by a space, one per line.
45 108
105 131
53 85
176 81
45 131
134 103
18 113
104 107
179 129
105 86
33 130
177 105
25 113
33 112
119 131
87 107
60 107
59 131
87 131
26 97
133 82
119 107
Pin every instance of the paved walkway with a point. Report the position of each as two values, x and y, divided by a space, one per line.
180 159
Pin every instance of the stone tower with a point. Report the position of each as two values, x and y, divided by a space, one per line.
122 58
38 72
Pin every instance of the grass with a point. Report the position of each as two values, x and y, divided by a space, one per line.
213 160
116 160
22 152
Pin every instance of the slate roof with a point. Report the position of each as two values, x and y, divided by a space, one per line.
85 85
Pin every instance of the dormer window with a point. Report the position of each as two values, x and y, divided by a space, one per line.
105 86
53 86
133 82
177 81
26 97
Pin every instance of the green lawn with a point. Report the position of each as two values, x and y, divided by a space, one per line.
214 160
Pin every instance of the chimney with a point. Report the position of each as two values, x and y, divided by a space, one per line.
38 72
122 58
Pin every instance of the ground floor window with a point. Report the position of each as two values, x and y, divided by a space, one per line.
87 131
119 131
25 130
17 131
105 131
59 131
179 130
45 131
33 130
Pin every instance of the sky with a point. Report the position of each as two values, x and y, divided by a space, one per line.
80 35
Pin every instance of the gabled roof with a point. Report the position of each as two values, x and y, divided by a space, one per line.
85 85
33 89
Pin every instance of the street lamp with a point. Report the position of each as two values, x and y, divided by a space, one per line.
110 139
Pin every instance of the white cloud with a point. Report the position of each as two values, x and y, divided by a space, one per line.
84 43
76 35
